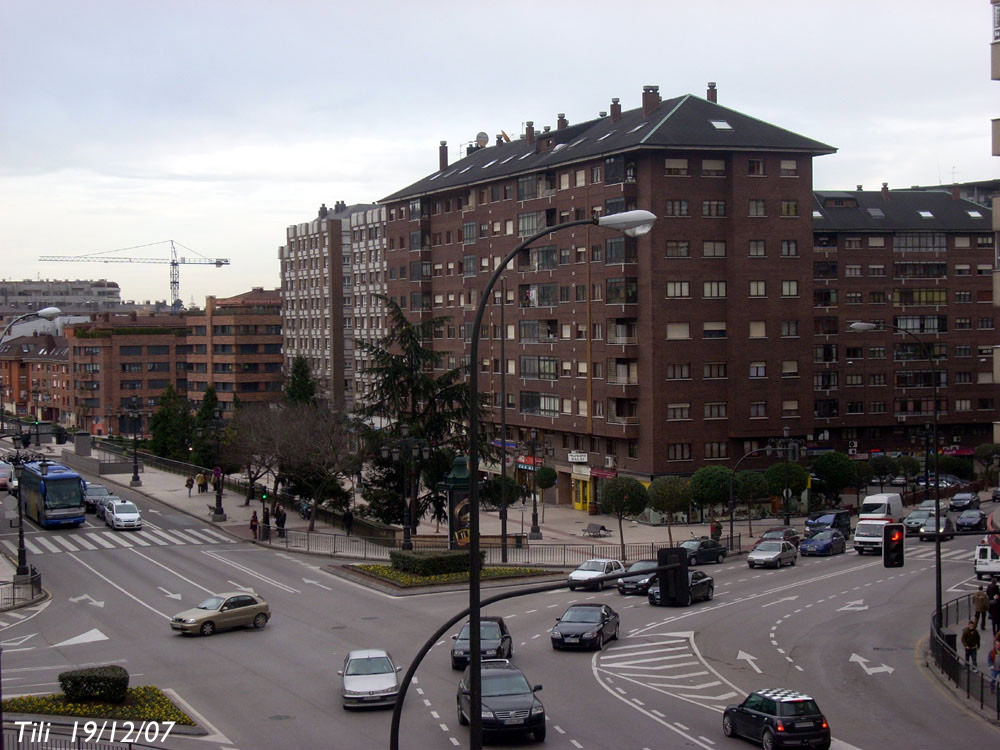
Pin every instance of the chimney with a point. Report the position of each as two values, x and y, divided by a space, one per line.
616 110
956 192
650 99
602 113
529 132
561 123
499 139
547 128
323 211
712 94
443 156
885 191
861 188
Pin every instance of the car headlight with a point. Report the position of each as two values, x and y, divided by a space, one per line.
537 709
189 621
459 652
590 634
556 633
486 714
355 692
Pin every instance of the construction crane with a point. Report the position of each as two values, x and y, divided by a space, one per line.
175 263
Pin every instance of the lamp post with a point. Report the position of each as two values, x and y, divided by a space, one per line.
632 223
535 532
732 499
133 411
412 448
861 327
217 425
792 449
22 554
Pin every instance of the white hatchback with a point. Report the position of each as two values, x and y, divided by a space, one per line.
122 515
583 576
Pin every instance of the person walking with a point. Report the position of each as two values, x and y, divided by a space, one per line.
980 603
994 661
279 519
970 640
202 482
992 589
265 529
189 483
253 524
348 520
994 610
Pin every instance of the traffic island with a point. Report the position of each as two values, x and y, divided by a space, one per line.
143 705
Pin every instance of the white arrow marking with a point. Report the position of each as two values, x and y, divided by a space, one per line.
82 597
88 637
240 587
17 641
316 583
749 660
858 606
871 670
168 594
779 601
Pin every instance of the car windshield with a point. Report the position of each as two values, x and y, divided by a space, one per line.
507 684
125 508
690 544
798 708
770 547
823 535
370 665
773 535
828 518
488 630
919 514
97 490
593 565
970 514
642 565
582 614
213 602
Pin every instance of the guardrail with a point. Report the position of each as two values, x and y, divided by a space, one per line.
16 593
977 685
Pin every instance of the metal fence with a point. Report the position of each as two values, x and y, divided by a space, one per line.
974 681
16 593
53 740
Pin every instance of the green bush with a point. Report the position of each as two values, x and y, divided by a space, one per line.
108 684
431 562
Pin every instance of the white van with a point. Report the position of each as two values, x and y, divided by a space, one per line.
868 536
987 561
887 506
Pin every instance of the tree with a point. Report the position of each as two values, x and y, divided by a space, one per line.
492 494
864 473
208 433
254 443
171 426
545 478
623 496
986 454
909 467
883 469
669 495
300 388
837 470
749 486
710 486
785 474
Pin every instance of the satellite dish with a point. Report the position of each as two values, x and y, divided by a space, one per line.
482 139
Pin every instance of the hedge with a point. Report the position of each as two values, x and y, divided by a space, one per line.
431 562
108 684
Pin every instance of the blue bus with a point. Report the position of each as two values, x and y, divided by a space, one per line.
52 494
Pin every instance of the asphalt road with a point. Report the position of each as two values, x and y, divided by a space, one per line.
845 629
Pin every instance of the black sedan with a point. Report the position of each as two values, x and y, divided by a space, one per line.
701 586
509 703
641 575
494 642
777 718
585 625
704 550
964 501
971 520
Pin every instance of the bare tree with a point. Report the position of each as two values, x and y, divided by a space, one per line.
253 445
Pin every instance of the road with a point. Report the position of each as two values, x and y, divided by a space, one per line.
843 629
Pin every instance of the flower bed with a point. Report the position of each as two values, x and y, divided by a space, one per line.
400 578
143 703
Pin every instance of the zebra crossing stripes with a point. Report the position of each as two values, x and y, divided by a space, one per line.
927 553
40 544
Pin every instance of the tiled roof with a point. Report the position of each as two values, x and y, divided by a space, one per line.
898 210
682 123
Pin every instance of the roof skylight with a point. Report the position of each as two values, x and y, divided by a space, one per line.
925 214
974 214
489 164
606 135
876 213
721 125
817 214
637 127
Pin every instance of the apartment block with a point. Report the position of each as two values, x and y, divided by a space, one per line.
365 277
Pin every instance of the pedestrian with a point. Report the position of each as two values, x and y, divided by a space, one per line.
994 662
279 519
217 474
265 529
253 524
993 589
202 482
348 520
189 483
970 640
980 603
994 611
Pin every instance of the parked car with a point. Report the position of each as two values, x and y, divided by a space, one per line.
704 550
995 495
701 586
898 481
916 519
495 642
777 718
641 575
237 609
369 678
94 495
930 504
971 520
106 501
509 703
829 519
781 533
122 515
583 576
772 552
585 625
946 529
964 501
6 471
830 542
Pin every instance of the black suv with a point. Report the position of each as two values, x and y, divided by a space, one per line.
495 642
509 701
829 519
94 494
778 718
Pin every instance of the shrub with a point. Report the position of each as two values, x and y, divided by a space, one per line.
431 562
108 684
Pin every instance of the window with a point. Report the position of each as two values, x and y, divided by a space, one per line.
962 324
876 352
877 298
963 296
789 328
714 330
713 208
758 370
713 289
678 249
676 208
852 270
963 404
876 270
714 249
790 288
789 168
714 371
790 408
758 409
758 329
713 168
757 207
963 269
678 331
824 297
853 298
715 410
985 324
756 249
679 371
758 288
677 166
622 291
468 233
755 167
527 187
789 208
679 452
595 174
877 378
789 249
790 368
678 289
716 450
678 411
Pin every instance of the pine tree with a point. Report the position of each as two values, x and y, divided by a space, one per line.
171 426
206 438
300 388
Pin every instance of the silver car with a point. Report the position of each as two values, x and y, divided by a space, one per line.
370 679
101 509
772 553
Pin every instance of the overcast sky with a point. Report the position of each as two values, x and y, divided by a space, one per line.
217 123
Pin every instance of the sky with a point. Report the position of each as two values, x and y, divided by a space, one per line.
217 124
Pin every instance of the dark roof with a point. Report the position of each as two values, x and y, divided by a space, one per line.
682 123
898 210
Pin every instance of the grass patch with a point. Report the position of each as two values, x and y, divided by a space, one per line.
402 578
143 703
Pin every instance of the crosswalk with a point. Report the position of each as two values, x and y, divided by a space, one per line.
40 544
927 553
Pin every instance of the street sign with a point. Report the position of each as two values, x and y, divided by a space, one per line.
788 493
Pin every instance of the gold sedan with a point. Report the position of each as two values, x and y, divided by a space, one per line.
237 609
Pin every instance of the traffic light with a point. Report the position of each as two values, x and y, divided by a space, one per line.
893 539
263 494
674 582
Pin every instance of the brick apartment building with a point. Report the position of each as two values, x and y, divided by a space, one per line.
34 376
695 343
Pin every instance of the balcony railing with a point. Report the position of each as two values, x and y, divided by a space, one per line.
620 419
623 379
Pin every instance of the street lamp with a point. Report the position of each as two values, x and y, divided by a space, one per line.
532 445
631 223
412 449
792 449
133 411
218 426
22 554
862 327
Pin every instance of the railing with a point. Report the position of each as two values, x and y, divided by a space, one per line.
16 593
977 685
55 740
